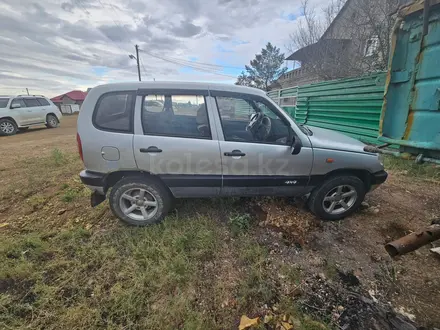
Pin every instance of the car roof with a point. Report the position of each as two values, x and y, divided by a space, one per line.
178 85
23 95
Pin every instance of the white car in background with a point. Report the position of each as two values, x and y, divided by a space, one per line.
22 111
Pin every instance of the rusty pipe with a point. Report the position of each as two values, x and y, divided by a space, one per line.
420 159
376 150
413 241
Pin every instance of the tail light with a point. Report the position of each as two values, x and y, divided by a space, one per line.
80 150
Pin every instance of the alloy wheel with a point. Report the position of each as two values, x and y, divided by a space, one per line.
138 204
7 127
339 199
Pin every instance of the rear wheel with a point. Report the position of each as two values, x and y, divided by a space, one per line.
337 197
7 127
140 201
51 121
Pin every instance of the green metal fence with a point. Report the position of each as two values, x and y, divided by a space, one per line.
351 106
286 98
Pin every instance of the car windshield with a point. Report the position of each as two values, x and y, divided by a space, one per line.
3 102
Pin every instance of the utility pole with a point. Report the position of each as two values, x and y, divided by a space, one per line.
137 60
27 90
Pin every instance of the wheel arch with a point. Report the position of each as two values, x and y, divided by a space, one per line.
53 114
11 119
362 174
112 178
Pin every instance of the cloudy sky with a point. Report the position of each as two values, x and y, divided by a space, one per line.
54 46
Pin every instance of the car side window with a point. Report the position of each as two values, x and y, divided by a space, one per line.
248 120
4 102
19 101
31 102
114 112
43 101
176 115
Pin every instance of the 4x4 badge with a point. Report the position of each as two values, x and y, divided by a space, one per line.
291 182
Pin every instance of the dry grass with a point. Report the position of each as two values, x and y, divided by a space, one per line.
66 265
427 171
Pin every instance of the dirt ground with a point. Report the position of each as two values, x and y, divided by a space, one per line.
38 141
349 252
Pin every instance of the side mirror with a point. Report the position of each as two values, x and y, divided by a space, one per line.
15 105
296 145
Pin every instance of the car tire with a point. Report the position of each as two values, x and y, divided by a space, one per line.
337 198
129 198
7 127
51 121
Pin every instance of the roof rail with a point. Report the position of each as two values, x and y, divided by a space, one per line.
21 95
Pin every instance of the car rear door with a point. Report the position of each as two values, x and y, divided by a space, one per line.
176 140
259 166
105 130
43 109
33 108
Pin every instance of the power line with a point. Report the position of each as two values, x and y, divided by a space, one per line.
199 66
188 65
78 2
143 67
205 64
209 66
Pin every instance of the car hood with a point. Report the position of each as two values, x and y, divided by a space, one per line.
327 139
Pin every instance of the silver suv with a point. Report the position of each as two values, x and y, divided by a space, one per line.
148 143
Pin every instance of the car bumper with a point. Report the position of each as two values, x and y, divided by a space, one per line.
377 179
93 180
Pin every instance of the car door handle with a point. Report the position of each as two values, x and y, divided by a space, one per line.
235 153
150 149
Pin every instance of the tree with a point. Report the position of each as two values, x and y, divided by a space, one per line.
264 69
311 28
355 43
245 80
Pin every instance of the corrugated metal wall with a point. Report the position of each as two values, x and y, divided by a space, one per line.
350 106
411 113
286 98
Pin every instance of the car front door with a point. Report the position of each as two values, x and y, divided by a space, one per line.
175 140
256 148
22 114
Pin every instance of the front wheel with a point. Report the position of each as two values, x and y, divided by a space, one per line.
140 201
337 197
51 121
7 127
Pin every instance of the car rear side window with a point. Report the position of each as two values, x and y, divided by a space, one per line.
43 102
114 112
31 102
18 101
183 116
3 102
